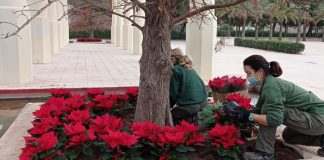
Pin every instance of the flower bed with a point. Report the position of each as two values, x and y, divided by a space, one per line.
97 126
89 40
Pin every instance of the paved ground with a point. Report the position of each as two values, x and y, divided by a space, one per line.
104 65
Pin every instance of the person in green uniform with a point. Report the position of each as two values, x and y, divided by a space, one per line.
281 102
188 94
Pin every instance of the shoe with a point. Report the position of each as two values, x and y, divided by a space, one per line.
258 155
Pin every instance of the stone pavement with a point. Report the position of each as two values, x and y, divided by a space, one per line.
82 65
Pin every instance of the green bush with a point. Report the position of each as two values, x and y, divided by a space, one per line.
178 35
104 34
251 33
279 46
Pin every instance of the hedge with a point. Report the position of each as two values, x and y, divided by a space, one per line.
279 46
251 33
106 34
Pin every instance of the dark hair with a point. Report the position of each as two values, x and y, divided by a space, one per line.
257 61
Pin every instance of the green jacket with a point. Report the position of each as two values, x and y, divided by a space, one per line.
277 94
186 87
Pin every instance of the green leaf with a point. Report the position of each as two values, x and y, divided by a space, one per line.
87 150
182 157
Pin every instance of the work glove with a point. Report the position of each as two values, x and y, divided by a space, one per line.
236 112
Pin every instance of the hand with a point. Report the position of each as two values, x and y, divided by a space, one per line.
236 112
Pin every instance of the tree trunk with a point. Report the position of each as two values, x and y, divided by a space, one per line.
310 29
257 28
271 28
236 31
274 27
243 28
286 30
304 30
280 32
155 67
298 30
229 27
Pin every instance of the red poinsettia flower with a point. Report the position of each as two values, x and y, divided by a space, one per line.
53 107
79 116
164 156
105 101
146 130
216 83
132 91
59 92
227 84
106 123
95 91
238 81
241 100
224 135
115 139
75 129
74 103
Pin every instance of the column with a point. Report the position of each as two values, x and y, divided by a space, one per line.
40 34
66 31
113 24
200 42
15 52
137 34
128 32
54 28
60 13
119 27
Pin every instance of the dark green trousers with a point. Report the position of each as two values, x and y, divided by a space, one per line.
188 113
302 128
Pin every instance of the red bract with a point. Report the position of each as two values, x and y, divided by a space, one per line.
224 135
36 145
241 100
132 91
74 103
71 130
59 92
146 130
95 92
105 101
106 123
164 156
53 107
227 84
79 116
116 139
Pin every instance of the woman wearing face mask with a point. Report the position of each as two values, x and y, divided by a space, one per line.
281 102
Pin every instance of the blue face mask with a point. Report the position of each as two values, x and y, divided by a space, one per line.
253 81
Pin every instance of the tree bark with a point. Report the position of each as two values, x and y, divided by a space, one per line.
274 27
280 32
243 27
310 29
155 66
229 27
271 28
304 30
298 30
256 28
286 30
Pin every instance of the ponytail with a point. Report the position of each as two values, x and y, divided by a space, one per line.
275 69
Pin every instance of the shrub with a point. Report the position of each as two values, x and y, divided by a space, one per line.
104 34
178 35
279 46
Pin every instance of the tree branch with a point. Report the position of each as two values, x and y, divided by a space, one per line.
205 8
120 15
28 20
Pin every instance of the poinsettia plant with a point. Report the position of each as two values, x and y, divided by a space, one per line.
227 84
214 119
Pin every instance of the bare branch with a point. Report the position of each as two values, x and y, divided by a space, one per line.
205 8
29 20
120 15
139 4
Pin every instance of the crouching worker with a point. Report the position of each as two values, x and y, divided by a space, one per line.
188 94
281 102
